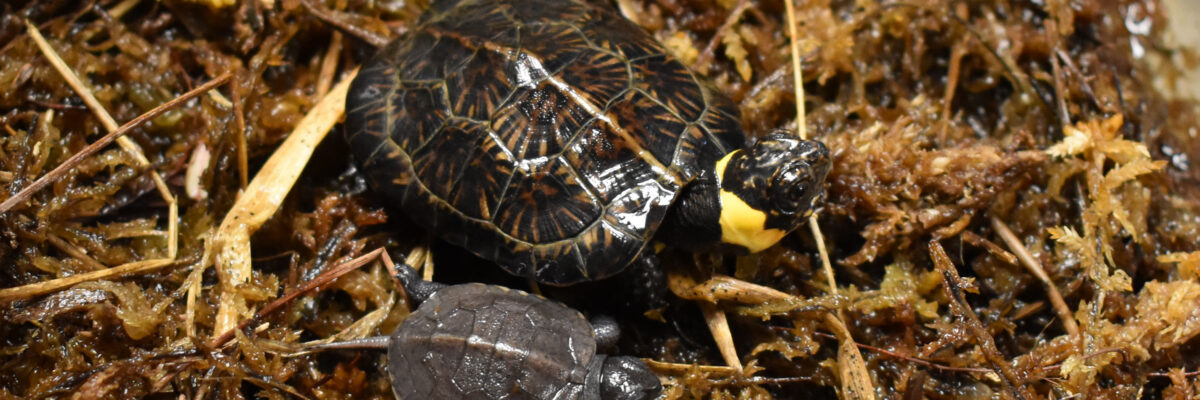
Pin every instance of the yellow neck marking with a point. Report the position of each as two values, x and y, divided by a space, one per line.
741 224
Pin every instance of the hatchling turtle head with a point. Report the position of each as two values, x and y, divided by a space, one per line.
626 378
768 189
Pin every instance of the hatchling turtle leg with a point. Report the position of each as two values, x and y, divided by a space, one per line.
646 282
606 331
417 289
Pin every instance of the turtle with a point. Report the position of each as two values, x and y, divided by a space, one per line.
561 141
481 341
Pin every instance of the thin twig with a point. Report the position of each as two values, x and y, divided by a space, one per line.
338 21
391 269
1052 36
957 51
995 249
959 307
323 279
71 162
239 124
1035 267
1168 374
912 359
110 124
1084 84
1018 76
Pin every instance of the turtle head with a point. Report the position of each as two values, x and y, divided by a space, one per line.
769 189
627 378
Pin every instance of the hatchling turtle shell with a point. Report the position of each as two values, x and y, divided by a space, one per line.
488 342
549 136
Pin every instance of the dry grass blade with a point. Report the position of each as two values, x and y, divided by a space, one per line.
106 119
54 285
718 324
852 368
1060 306
75 251
683 368
230 248
797 71
856 380
726 288
420 259
826 266
329 64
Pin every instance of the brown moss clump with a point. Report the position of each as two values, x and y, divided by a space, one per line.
948 121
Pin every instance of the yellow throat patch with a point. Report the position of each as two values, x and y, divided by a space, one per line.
741 224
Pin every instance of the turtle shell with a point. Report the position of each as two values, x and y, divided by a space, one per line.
489 342
549 136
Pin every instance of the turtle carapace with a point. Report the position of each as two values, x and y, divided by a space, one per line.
558 139
490 342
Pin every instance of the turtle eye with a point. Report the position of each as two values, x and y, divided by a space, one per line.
791 188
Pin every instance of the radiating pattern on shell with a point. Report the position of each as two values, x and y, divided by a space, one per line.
488 342
549 136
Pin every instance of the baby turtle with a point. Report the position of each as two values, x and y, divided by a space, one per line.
558 139
477 341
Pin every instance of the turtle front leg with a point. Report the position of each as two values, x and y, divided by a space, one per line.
417 289
646 282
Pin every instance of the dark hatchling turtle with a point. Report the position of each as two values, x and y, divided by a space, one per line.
477 341
558 139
